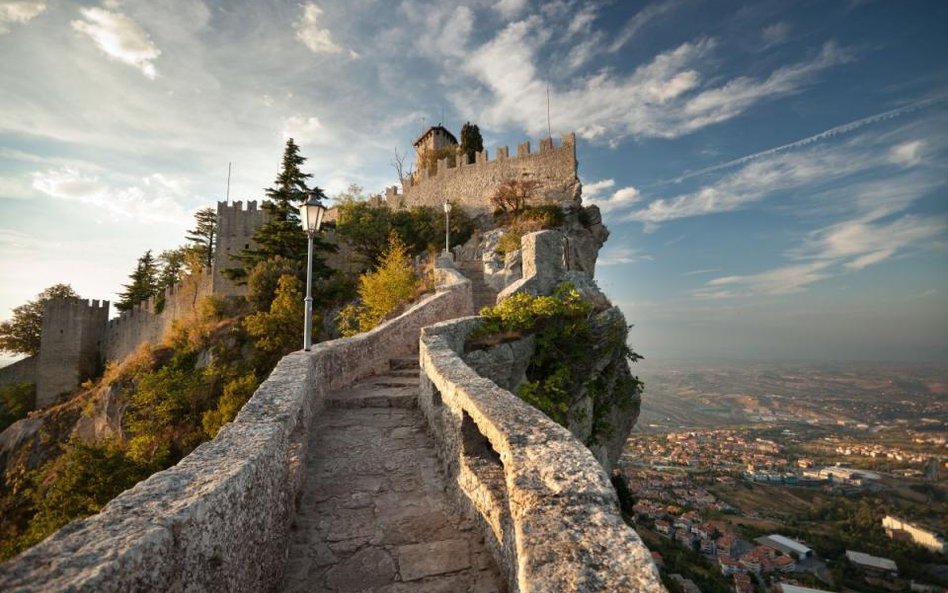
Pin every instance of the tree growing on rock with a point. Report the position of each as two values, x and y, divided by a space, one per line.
21 335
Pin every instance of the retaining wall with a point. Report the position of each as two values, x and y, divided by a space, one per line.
219 520
21 371
544 504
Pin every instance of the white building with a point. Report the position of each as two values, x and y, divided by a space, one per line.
785 545
896 528
872 563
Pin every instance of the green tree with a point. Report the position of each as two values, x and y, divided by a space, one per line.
203 236
393 283
22 333
471 141
236 394
264 280
144 283
16 401
279 331
282 233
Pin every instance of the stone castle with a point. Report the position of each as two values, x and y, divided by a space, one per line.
78 338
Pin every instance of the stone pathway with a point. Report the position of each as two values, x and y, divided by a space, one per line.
374 514
484 295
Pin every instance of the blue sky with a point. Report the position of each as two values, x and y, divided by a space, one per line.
773 173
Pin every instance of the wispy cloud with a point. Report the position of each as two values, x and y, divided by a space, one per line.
314 35
120 38
907 154
642 18
620 198
775 34
782 280
19 12
510 9
621 254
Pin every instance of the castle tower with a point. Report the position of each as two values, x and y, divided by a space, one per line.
432 140
235 230
71 338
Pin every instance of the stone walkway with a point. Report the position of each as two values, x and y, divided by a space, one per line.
374 514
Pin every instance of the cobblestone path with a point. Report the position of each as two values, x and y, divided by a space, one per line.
374 514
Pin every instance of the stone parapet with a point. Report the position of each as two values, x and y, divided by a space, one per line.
542 501
219 520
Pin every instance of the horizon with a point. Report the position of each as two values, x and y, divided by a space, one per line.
773 176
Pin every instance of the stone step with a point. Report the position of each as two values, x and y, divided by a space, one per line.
403 363
406 373
384 391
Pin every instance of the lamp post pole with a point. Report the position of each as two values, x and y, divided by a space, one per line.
311 216
447 227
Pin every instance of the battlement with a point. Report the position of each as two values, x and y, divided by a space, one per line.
76 305
552 167
236 206
568 142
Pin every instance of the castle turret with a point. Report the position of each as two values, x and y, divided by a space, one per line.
235 229
72 334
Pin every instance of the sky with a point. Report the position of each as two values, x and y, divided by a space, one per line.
773 173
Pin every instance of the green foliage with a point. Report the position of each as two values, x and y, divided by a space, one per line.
560 367
368 227
393 283
21 334
512 196
144 283
429 158
204 235
16 401
236 394
471 141
79 483
528 219
264 279
279 331
282 234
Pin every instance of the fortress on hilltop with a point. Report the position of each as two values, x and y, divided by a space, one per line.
78 338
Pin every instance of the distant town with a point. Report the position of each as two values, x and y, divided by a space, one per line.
820 480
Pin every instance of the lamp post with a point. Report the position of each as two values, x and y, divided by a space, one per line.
447 227
311 216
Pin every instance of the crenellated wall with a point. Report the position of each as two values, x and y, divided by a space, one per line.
235 230
141 324
71 338
472 184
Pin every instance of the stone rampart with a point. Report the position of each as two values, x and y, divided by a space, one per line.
235 229
142 324
71 337
553 168
219 520
544 504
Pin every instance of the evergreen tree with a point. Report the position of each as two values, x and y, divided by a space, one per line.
471 141
204 235
22 333
282 233
144 283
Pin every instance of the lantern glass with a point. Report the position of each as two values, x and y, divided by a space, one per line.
311 214
447 207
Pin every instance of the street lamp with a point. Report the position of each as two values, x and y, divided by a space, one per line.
447 227
311 216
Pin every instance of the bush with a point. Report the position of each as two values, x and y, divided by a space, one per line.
279 331
16 401
512 196
236 394
392 284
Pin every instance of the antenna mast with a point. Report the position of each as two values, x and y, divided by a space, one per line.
549 129
227 199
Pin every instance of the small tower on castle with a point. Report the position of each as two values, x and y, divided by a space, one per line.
429 143
70 346
235 230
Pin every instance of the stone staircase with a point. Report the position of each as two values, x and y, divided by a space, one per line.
374 513
484 295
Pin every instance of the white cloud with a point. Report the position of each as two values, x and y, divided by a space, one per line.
865 242
157 202
619 199
614 256
640 19
305 130
782 280
314 36
907 154
510 9
595 188
774 34
19 11
120 38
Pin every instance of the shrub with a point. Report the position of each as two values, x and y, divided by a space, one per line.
279 331
236 394
512 196
16 401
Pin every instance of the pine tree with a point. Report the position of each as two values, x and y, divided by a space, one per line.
471 141
282 233
144 283
204 235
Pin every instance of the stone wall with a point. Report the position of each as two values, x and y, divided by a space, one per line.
21 371
141 324
71 337
472 184
235 229
219 520
543 503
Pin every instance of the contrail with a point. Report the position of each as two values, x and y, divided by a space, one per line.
843 129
